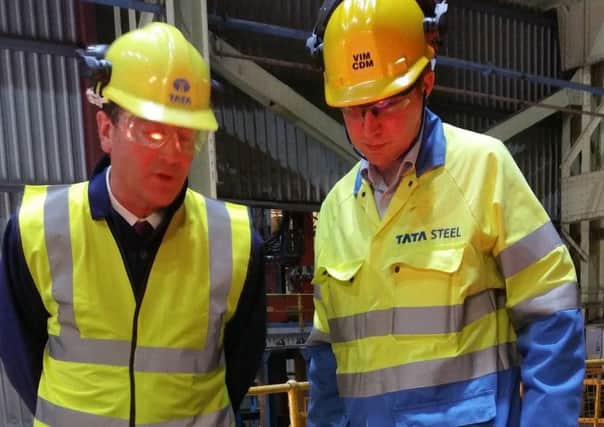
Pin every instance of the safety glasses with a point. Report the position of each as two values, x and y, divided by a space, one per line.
394 104
156 135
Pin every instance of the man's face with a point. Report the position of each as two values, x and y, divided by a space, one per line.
150 161
383 131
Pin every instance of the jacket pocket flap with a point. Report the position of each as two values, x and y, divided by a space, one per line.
446 260
342 271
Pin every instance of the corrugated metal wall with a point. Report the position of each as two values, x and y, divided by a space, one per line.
483 31
538 152
41 137
263 158
503 36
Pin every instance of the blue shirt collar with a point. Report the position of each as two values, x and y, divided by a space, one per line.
432 150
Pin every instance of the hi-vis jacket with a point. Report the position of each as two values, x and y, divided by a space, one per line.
169 359
433 315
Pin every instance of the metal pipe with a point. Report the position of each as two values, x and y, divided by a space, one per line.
27 45
292 400
130 4
278 388
594 362
270 61
218 23
308 67
221 22
487 70
11 188
514 100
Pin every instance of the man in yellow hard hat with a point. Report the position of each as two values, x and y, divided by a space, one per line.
440 282
130 299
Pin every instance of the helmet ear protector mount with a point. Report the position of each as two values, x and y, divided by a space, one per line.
95 66
97 69
434 27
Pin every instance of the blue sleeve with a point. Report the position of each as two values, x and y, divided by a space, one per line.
553 367
245 333
23 334
325 407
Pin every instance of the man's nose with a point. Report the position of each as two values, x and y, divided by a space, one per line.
371 121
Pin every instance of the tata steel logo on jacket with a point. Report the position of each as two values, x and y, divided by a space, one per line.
361 60
181 88
434 234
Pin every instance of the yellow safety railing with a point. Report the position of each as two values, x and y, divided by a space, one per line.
591 412
295 394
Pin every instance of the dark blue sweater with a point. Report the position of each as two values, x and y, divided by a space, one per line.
23 332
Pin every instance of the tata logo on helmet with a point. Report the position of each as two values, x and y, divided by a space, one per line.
181 87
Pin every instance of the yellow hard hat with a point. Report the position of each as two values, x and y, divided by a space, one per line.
373 49
158 75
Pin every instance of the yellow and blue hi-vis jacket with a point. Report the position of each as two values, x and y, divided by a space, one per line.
434 314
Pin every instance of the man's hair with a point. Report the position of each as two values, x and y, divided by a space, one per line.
113 111
427 6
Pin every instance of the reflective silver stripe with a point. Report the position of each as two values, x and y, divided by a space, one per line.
221 272
316 292
117 353
57 416
69 346
222 418
317 337
416 320
564 297
528 250
429 373
174 360
58 246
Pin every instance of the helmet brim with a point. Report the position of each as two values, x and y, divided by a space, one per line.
201 119
373 90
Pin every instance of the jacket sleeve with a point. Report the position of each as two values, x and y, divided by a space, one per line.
23 334
542 299
245 333
325 407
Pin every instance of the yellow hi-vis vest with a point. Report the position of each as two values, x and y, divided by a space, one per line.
103 350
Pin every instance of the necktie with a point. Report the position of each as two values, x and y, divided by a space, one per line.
143 228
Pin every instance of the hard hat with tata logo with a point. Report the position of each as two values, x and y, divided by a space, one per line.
156 74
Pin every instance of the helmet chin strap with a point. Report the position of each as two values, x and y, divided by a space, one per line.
419 131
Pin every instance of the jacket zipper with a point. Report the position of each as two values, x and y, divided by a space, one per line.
137 308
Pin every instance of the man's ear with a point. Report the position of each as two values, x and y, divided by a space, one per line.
105 128
428 82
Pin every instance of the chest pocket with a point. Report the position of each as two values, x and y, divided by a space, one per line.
340 282
433 278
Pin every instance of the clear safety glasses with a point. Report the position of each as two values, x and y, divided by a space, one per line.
394 104
156 135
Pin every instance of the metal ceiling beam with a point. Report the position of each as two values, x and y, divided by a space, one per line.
38 46
139 5
528 117
544 4
223 23
280 98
